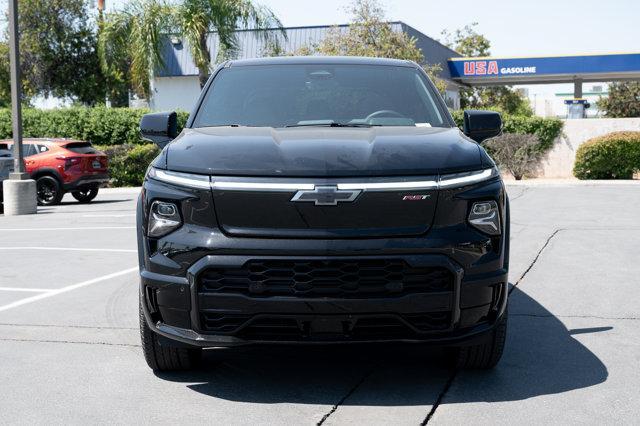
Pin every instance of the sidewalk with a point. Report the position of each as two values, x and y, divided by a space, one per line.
126 190
571 182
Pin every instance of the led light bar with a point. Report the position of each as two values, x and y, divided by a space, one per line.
389 186
203 182
182 179
459 179
262 186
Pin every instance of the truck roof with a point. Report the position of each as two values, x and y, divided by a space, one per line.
320 60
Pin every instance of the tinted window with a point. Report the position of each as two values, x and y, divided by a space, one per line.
29 150
281 95
41 149
81 148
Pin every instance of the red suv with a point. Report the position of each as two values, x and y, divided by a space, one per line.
63 165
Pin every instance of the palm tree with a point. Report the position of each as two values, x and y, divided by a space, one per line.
196 18
129 41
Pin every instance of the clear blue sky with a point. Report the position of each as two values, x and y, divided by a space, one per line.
515 27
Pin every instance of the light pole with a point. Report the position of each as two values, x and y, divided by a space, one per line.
19 190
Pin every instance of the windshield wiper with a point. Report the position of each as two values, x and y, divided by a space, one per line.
330 124
228 125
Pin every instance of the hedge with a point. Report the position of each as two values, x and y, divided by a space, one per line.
128 163
612 156
546 129
99 125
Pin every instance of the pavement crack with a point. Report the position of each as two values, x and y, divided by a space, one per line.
347 395
525 189
533 262
440 398
70 342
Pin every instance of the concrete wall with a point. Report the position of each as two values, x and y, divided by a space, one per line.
558 163
171 93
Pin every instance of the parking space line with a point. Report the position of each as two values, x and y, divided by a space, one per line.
34 290
72 249
65 289
87 228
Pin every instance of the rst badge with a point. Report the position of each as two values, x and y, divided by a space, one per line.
415 197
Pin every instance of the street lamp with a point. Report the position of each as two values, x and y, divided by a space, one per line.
19 190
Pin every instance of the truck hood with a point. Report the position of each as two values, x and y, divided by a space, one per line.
322 151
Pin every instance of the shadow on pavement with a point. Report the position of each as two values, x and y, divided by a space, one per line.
56 209
76 203
541 358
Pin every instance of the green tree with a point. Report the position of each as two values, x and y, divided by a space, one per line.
5 76
129 45
370 34
196 18
468 42
623 100
130 40
57 51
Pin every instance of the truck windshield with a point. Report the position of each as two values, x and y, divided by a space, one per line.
320 95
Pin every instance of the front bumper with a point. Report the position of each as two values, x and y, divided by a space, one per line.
175 308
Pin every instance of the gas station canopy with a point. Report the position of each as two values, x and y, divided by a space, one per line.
493 71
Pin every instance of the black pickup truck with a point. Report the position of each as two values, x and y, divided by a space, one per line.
322 200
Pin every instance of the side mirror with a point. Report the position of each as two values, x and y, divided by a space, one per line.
480 125
159 127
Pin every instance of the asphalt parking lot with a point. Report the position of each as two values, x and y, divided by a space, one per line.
70 354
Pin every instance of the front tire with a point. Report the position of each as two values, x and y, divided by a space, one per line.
85 195
49 191
487 354
163 357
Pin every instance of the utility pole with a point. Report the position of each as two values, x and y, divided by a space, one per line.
16 105
19 190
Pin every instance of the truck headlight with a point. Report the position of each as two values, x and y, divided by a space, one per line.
485 216
164 217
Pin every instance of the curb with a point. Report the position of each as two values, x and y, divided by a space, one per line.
127 190
571 182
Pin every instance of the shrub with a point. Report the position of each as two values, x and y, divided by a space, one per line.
623 100
516 153
98 125
612 156
128 163
546 129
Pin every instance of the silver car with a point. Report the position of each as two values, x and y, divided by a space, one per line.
6 165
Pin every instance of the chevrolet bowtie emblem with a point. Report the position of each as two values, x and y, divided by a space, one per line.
327 195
